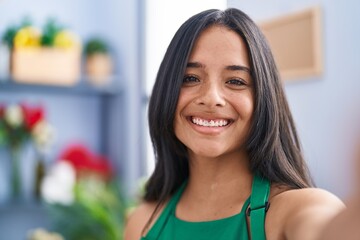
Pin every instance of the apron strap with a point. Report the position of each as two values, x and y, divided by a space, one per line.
157 228
259 205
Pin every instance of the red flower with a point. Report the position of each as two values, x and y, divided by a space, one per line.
32 115
2 110
85 161
102 166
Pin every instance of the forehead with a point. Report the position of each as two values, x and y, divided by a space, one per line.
221 44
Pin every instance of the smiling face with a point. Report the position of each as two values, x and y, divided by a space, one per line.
216 102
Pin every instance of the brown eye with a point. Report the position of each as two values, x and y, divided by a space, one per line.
190 79
236 82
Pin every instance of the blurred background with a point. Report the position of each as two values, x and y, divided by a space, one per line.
75 78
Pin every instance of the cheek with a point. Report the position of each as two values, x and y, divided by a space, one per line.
249 107
180 122
180 129
177 119
183 101
245 107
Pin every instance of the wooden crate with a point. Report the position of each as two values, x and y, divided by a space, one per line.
51 66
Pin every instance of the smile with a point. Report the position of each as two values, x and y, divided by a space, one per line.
209 123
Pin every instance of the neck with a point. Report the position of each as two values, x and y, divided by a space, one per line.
218 183
208 173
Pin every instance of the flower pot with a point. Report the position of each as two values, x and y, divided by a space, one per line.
45 65
99 68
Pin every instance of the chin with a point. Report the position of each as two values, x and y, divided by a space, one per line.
208 152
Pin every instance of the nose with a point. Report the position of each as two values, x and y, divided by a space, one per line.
211 95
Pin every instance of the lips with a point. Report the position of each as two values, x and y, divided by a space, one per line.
210 122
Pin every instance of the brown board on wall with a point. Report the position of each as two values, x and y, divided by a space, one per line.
295 40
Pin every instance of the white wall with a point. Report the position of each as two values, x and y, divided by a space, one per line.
326 109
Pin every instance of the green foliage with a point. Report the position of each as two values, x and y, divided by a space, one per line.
96 214
2 133
8 37
50 30
13 136
10 32
95 45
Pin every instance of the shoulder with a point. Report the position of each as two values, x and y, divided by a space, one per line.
346 224
301 213
139 218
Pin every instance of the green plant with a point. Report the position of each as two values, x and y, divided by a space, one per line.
83 196
10 32
50 30
96 45
96 214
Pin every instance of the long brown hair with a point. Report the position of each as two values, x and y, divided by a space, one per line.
273 144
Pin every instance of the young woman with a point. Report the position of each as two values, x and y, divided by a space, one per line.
225 143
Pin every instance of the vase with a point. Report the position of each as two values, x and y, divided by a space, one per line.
15 175
39 175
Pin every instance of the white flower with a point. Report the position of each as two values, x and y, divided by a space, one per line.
43 135
14 115
42 234
58 185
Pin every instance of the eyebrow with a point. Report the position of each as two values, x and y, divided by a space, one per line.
238 68
194 65
230 67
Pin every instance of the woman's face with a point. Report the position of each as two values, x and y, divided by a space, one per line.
216 101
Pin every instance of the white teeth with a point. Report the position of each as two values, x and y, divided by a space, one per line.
211 123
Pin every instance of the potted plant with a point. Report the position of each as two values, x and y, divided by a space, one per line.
98 61
51 56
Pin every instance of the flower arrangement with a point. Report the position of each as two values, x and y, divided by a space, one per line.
83 197
51 55
53 34
20 123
